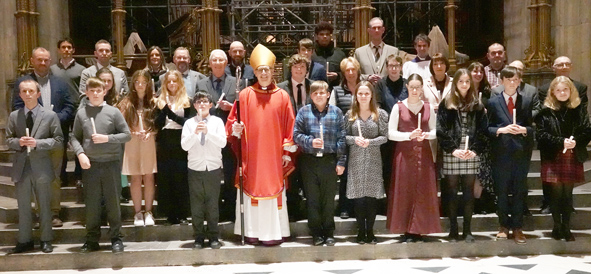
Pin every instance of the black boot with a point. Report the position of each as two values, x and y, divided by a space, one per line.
453 230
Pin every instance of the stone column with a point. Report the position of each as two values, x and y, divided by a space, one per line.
210 26
24 33
119 32
363 13
538 59
451 34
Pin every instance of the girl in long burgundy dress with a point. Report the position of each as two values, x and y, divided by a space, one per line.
412 201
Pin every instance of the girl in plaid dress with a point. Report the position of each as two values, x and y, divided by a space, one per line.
563 132
461 132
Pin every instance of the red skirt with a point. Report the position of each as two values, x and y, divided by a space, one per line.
563 169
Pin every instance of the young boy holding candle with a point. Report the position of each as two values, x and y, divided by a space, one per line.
511 131
320 131
203 138
97 135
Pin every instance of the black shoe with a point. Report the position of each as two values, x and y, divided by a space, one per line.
556 234
23 247
90 247
214 243
329 241
198 244
173 221
526 212
545 209
46 247
371 239
361 238
568 236
453 236
117 246
318 241
344 215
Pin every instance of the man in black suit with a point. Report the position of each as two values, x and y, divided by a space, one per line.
562 67
298 88
511 131
315 70
55 96
523 88
222 88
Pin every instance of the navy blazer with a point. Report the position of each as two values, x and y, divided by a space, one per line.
498 116
62 103
316 72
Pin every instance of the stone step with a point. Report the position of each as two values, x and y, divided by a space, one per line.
74 232
179 252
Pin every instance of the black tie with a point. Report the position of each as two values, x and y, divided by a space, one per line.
299 96
218 86
30 121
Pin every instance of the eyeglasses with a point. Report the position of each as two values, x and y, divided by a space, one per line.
415 87
202 102
264 69
560 65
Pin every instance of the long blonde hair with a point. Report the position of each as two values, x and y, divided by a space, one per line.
373 107
573 100
181 100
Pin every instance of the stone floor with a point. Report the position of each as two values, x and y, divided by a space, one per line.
551 264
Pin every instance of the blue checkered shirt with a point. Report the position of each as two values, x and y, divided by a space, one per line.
307 128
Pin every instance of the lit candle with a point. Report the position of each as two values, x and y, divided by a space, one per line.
467 140
28 135
359 128
419 124
514 117
141 121
93 125
571 138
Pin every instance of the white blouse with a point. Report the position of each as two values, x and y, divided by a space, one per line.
399 136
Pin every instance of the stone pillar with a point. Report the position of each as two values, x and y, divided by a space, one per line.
451 34
538 59
210 26
363 13
119 32
25 32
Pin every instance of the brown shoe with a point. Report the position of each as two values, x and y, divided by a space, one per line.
503 233
518 236
56 222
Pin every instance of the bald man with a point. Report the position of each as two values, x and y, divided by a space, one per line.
237 54
562 67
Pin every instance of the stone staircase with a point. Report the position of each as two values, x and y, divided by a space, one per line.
171 245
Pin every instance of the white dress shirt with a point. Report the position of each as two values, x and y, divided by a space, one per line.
208 156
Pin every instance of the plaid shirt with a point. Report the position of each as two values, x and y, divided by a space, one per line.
493 76
307 128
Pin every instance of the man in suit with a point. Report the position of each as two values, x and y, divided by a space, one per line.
220 84
562 67
237 54
54 96
512 141
182 60
103 54
33 132
372 57
298 88
523 88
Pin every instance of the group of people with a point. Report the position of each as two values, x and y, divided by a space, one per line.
367 127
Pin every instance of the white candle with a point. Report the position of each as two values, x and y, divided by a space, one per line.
419 124
28 135
220 100
153 86
514 117
141 121
359 128
93 125
51 106
319 154
571 138
200 116
480 97
467 140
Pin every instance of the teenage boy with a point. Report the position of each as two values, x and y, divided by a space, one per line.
33 132
316 71
203 138
322 160
511 131
97 135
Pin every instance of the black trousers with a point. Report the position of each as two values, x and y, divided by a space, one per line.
510 178
101 182
320 184
294 199
204 188
228 190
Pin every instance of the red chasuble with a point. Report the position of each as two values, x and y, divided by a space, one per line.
268 120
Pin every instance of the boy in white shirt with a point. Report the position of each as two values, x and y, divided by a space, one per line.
203 138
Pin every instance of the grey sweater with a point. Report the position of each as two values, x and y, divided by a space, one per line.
108 121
